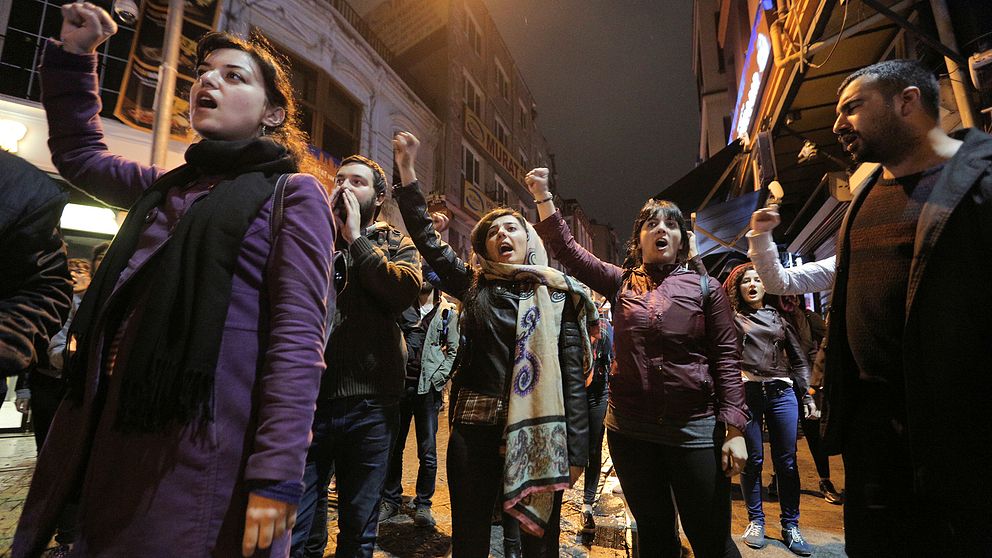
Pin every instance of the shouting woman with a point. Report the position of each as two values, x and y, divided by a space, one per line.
200 341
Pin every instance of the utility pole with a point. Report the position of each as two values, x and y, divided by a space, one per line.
165 93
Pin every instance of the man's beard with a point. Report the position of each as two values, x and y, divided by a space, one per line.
888 143
367 211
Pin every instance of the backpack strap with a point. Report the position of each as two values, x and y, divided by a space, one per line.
278 207
704 287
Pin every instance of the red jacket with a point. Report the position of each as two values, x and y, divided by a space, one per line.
676 355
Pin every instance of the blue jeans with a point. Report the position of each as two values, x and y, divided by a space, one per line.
351 438
423 410
776 403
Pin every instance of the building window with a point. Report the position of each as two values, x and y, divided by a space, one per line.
471 166
327 114
472 95
27 28
499 193
474 33
523 160
502 135
523 115
502 82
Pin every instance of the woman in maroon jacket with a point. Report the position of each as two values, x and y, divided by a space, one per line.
676 409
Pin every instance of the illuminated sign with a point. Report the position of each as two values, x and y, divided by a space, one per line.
11 132
752 79
89 219
475 129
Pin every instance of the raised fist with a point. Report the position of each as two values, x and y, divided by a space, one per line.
537 182
85 27
405 147
440 221
765 219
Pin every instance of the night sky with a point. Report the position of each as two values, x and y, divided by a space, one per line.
615 93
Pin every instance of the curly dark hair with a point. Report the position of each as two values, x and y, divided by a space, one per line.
278 89
732 286
653 208
477 303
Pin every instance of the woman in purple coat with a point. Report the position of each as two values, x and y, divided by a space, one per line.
676 412
200 342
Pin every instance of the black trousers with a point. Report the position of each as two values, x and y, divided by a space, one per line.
475 468
811 431
597 398
651 474
878 480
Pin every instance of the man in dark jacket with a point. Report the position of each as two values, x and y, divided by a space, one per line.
358 408
909 351
35 285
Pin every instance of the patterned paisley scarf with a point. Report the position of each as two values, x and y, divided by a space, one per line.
536 464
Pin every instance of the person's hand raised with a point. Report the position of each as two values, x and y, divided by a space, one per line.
765 219
85 26
537 182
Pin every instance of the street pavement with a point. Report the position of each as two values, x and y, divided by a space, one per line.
821 522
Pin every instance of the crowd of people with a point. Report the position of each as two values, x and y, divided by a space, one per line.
251 333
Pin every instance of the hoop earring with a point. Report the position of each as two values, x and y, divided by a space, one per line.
265 130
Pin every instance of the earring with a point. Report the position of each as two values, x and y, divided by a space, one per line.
265 130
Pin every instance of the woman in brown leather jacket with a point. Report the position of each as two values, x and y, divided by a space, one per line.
776 378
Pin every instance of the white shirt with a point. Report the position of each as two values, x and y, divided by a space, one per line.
812 277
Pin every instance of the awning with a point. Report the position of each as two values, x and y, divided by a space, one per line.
721 227
705 182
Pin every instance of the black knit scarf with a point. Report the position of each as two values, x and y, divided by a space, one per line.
169 373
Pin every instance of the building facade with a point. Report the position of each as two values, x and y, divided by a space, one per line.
352 100
606 244
457 62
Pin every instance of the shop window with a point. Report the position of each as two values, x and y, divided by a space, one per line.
474 33
502 135
29 24
499 193
502 82
327 114
471 165
472 95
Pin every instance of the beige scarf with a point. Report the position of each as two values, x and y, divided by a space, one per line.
536 464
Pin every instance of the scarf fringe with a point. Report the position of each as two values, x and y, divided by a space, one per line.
187 397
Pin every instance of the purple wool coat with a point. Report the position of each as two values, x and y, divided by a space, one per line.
183 492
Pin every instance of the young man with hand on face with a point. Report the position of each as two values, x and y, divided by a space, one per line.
357 410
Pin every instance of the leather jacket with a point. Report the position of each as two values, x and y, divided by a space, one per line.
485 360
676 350
770 348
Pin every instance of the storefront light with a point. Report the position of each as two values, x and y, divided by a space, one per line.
762 49
87 218
11 132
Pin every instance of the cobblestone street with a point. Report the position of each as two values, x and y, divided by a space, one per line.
399 538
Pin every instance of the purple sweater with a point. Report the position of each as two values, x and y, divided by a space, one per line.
144 493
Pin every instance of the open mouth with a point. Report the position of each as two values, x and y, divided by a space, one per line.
661 243
752 293
505 249
204 100
847 140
